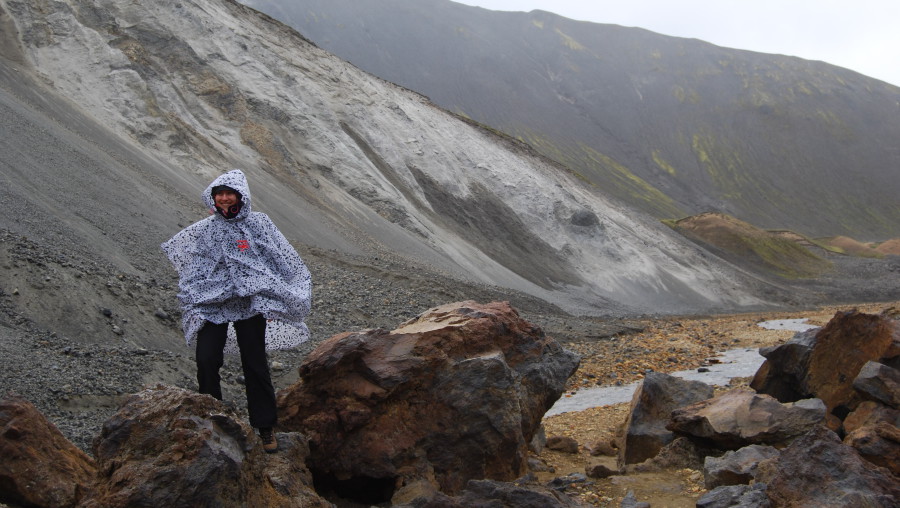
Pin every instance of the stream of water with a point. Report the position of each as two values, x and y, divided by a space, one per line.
733 363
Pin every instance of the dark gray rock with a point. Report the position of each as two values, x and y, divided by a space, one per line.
736 496
651 406
818 470
630 501
880 383
736 467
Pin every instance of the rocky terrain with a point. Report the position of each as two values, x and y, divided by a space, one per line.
664 345
110 129
79 386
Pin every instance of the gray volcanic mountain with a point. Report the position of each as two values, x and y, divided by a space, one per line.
117 113
669 125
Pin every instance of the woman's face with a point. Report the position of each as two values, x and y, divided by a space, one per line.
225 198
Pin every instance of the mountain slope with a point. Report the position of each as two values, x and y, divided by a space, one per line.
669 125
341 160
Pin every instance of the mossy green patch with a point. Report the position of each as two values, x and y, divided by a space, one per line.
603 171
686 96
731 177
665 166
570 42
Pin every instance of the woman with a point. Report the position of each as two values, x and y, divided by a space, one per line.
235 267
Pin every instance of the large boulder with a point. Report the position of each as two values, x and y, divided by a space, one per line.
451 396
39 466
824 363
818 470
171 447
651 406
741 417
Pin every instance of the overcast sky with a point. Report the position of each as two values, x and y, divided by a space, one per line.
862 35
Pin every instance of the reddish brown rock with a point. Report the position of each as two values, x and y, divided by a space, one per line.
599 471
741 417
39 466
823 363
563 444
842 347
454 395
818 470
879 444
651 406
870 413
172 447
603 447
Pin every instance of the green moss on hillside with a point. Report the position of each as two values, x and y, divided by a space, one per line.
570 42
665 166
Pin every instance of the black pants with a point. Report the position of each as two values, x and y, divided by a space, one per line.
251 339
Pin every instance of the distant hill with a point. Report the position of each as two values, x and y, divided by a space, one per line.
777 253
673 126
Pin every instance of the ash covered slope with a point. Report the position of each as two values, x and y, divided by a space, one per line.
340 159
672 126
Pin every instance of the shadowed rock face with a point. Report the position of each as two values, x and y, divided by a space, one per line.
453 395
817 470
653 401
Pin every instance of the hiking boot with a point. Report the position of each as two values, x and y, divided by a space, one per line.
270 444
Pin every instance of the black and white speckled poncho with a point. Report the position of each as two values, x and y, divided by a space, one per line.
233 269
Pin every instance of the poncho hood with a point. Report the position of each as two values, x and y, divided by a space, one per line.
234 269
235 180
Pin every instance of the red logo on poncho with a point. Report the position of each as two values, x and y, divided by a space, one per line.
243 245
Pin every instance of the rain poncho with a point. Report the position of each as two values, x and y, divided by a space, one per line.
233 269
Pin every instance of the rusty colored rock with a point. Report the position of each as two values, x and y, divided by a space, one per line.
870 413
39 466
879 444
563 444
823 363
842 347
453 395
